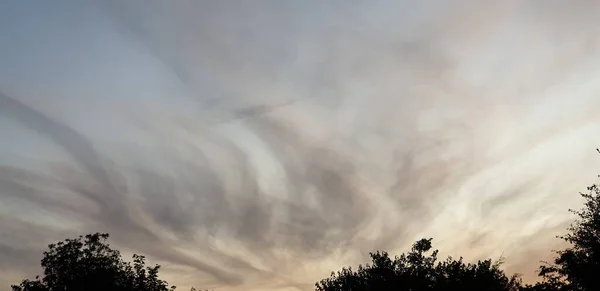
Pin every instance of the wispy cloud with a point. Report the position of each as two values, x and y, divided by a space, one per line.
249 146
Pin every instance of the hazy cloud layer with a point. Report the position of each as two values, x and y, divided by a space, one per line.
260 145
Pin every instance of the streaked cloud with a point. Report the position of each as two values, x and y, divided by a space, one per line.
258 146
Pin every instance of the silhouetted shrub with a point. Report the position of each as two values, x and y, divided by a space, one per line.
418 270
89 264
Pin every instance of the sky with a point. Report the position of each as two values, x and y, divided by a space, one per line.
260 145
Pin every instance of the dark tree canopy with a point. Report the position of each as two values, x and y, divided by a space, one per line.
88 264
420 269
577 268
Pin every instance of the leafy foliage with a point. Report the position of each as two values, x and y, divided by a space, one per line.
419 271
577 267
88 264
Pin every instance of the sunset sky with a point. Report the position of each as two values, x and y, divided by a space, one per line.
259 145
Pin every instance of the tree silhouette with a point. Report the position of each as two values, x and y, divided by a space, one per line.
89 264
418 271
577 268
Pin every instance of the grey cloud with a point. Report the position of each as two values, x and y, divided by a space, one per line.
245 216
198 189
112 202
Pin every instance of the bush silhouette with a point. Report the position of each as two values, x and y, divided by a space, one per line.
577 268
89 264
420 270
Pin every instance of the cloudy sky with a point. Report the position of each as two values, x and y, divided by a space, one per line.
259 145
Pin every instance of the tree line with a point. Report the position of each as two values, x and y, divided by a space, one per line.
88 263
